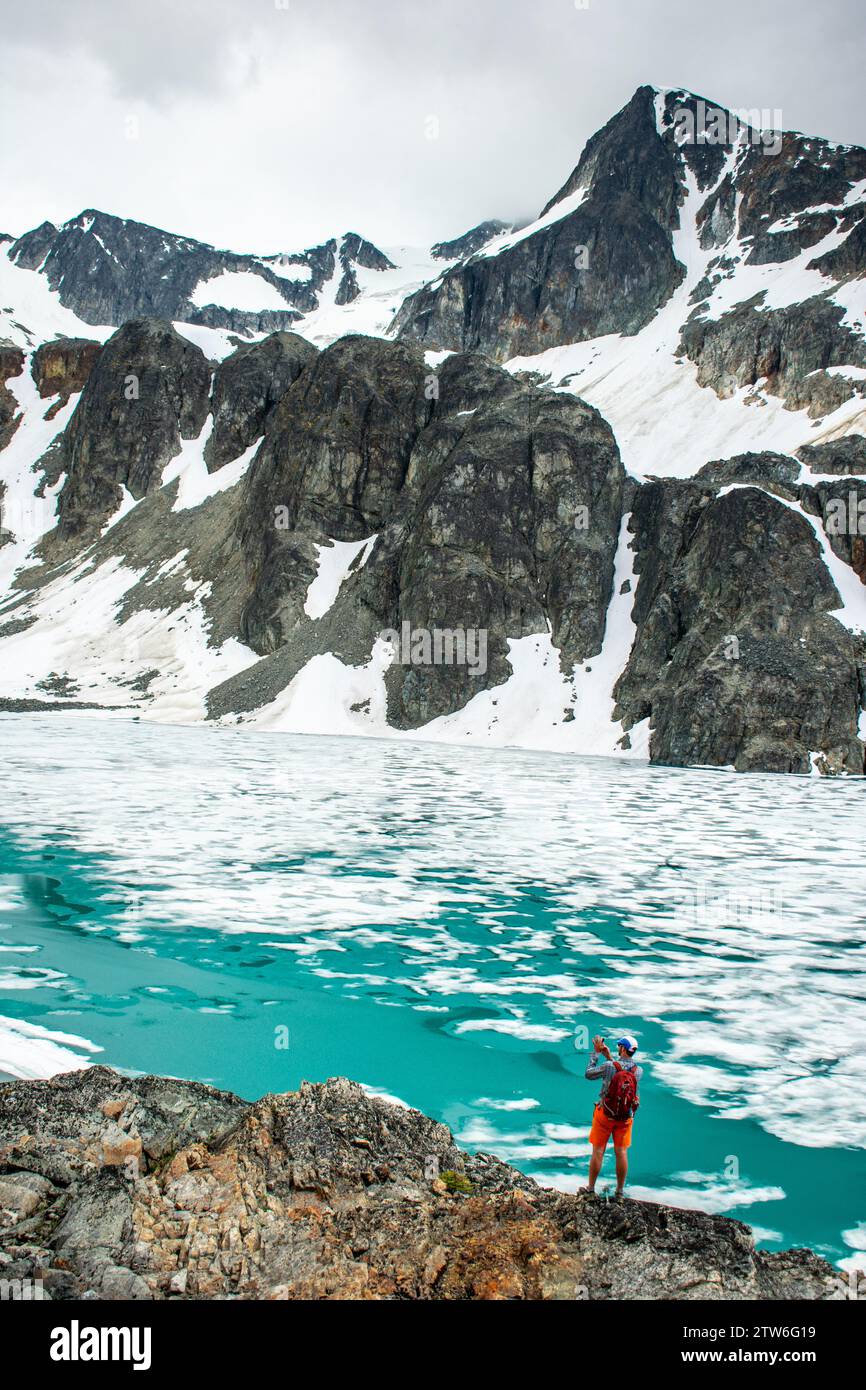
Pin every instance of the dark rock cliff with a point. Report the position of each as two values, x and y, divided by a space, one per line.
473 492
61 368
148 391
11 365
736 659
247 388
604 267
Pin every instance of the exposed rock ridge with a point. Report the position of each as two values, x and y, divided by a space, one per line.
109 269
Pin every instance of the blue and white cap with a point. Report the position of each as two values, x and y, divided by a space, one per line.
628 1042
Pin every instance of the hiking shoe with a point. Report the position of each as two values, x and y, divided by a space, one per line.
588 1194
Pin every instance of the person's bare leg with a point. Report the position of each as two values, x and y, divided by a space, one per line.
595 1164
621 1156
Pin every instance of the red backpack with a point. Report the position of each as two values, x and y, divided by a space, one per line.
620 1102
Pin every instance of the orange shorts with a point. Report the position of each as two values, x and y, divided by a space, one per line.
603 1127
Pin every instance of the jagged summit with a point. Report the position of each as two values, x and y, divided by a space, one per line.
107 269
675 190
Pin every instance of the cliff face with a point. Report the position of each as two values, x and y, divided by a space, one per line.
152 1188
148 391
600 261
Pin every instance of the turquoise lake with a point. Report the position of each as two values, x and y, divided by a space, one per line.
448 926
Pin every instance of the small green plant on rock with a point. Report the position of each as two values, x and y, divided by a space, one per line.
456 1182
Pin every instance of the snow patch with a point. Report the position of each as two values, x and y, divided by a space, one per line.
31 312
197 484
564 208
30 1052
25 515
238 289
336 559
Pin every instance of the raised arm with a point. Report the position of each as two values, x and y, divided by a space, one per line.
599 1061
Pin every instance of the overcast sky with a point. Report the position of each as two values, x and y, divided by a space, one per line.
268 125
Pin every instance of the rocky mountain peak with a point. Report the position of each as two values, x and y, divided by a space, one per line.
108 269
469 242
628 153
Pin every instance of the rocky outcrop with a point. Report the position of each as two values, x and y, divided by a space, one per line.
789 187
29 251
844 456
147 1188
355 252
781 472
772 208
509 525
148 391
11 365
788 349
331 465
736 658
469 242
248 386
496 507
61 368
842 507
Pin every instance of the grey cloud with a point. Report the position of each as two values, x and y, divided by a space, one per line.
265 127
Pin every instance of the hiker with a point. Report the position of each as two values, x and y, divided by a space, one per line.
614 1108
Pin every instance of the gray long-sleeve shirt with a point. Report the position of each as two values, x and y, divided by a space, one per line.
606 1070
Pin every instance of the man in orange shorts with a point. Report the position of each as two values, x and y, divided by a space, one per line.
615 1107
